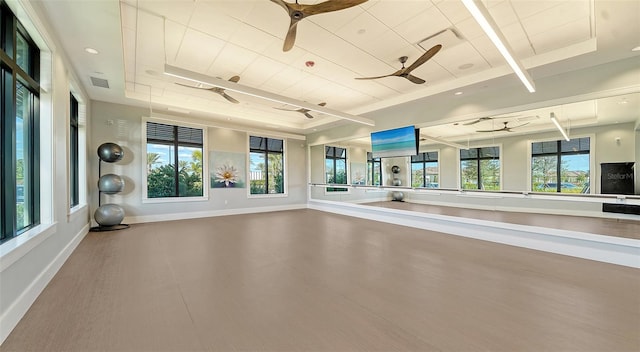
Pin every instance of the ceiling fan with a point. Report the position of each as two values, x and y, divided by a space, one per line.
485 118
218 90
303 111
504 128
297 12
406 72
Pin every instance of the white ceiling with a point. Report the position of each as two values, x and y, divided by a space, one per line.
224 38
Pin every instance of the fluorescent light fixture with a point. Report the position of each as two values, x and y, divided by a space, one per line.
239 88
555 122
442 141
484 19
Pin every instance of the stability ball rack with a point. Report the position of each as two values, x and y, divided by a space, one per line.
109 216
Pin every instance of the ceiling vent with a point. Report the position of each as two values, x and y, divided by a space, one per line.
448 38
99 82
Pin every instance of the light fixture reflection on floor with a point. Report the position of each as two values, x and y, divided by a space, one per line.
557 123
236 87
488 25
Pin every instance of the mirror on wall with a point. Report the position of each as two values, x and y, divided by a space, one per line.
556 149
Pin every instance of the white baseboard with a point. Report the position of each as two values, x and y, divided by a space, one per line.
20 306
207 214
608 249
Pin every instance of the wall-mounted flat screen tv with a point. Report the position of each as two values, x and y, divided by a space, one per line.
396 142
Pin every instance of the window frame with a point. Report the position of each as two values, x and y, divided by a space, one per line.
74 151
478 162
371 165
12 75
559 152
333 190
285 190
205 168
424 168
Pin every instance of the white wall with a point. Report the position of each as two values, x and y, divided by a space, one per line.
29 261
122 124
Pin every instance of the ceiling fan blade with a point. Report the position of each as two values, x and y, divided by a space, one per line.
308 115
329 6
415 79
234 79
281 3
499 129
291 35
478 120
229 98
393 74
322 104
283 109
424 58
188 86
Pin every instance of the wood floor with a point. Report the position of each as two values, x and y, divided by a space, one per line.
306 280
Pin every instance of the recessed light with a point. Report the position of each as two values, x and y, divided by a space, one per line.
465 66
457 93
362 31
637 48
622 102
91 50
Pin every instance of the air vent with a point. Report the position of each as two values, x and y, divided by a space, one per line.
99 82
448 38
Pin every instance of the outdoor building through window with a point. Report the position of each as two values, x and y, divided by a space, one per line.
174 161
19 127
266 170
335 167
480 168
561 166
424 170
374 170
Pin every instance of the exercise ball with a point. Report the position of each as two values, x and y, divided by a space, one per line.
397 182
397 196
395 169
110 184
110 152
109 215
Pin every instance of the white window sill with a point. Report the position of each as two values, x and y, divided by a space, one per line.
15 248
268 195
75 212
174 200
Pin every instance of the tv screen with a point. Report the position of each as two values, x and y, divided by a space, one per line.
396 142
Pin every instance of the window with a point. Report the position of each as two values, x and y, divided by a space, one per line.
266 158
561 166
20 133
174 161
480 168
424 170
374 170
335 167
74 161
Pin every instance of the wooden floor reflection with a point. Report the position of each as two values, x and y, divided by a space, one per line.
626 228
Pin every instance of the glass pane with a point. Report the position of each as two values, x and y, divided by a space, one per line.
431 171
543 173
417 175
275 145
490 174
23 182
574 171
469 174
190 172
377 175
22 53
160 171
257 173
341 171
328 169
275 183
468 153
